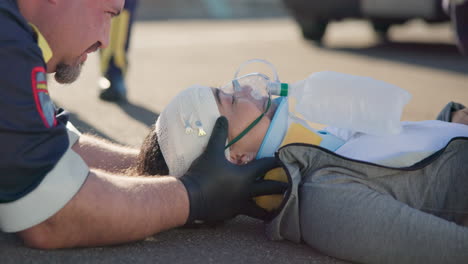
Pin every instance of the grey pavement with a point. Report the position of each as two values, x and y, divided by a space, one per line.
168 56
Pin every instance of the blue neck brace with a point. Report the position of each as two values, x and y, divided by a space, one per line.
277 130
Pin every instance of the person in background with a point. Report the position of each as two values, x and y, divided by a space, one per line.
114 58
458 12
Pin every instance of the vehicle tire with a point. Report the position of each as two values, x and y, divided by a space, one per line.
313 29
381 27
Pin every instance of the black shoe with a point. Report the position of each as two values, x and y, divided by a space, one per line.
112 88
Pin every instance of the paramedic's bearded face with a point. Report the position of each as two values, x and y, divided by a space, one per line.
74 29
65 73
68 73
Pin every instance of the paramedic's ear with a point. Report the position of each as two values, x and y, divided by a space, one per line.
220 190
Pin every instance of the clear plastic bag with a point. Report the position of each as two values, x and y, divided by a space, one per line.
353 102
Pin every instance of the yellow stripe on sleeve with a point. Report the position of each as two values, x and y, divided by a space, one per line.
43 44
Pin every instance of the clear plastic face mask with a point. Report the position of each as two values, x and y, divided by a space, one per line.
254 87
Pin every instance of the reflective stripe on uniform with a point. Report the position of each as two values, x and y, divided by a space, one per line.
53 193
43 44
118 39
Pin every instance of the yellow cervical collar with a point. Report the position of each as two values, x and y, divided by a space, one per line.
297 133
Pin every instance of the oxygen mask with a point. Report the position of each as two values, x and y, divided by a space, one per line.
256 87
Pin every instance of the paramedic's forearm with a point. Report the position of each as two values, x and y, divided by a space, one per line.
112 210
104 155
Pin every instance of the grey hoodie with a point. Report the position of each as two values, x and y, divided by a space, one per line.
368 213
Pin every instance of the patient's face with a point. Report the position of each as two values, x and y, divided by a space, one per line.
241 112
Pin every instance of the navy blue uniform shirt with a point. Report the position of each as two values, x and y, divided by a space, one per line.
33 136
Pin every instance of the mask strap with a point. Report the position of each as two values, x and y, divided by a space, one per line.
273 69
254 123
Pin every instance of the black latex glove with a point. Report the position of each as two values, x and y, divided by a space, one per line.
220 190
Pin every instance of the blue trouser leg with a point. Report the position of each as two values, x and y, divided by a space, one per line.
114 58
458 12
459 16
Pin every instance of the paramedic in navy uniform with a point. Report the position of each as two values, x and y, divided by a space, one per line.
59 188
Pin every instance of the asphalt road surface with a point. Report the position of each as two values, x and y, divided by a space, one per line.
167 57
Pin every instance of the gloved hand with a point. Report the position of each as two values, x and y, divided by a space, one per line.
220 190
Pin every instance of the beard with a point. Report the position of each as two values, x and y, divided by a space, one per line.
66 74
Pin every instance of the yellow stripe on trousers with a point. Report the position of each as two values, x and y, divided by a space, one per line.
118 39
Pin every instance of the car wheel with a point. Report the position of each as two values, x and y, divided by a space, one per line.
313 29
381 28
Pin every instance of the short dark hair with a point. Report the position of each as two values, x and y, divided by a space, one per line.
151 160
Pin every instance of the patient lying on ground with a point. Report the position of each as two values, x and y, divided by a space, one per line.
183 129
258 126
352 194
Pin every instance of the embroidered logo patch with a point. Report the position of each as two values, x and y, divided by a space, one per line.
44 104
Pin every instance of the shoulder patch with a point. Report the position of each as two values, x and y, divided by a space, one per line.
44 104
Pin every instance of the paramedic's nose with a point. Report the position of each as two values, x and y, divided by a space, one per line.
104 43
104 36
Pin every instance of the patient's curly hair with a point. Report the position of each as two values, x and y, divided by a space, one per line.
151 160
